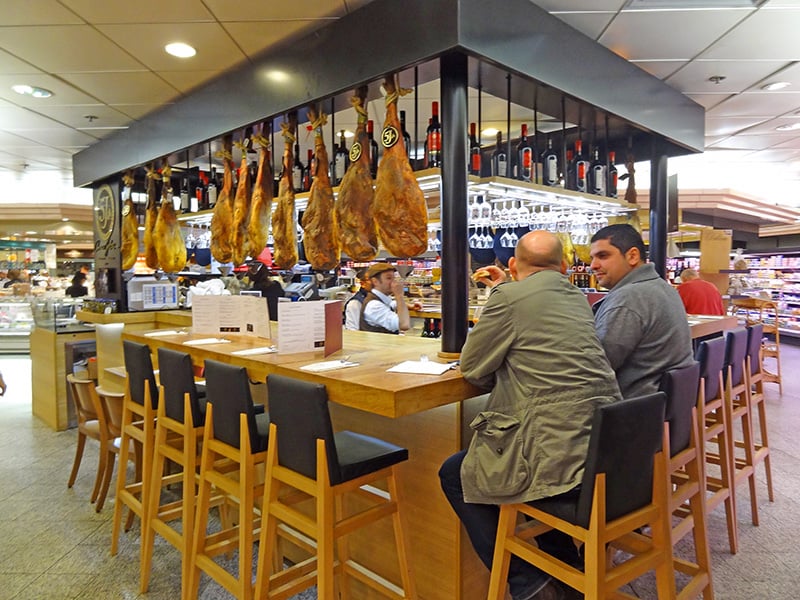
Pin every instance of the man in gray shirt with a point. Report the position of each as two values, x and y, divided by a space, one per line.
641 323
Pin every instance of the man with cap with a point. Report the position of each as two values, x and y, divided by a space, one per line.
384 310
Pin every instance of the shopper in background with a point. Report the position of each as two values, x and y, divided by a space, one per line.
3 278
15 276
699 297
77 289
384 309
536 349
641 322
352 308
270 289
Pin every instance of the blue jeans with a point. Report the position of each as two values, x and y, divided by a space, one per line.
480 521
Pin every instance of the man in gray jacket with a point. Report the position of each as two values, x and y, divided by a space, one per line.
641 322
536 349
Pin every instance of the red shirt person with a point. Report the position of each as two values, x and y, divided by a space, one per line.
699 297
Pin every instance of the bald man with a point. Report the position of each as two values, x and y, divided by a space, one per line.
699 297
536 350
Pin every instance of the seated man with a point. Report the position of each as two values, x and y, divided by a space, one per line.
384 309
699 297
352 308
536 349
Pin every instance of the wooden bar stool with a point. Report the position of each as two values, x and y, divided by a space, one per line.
111 403
738 407
234 447
623 489
91 424
714 429
179 430
307 458
138 426
686 479
756 376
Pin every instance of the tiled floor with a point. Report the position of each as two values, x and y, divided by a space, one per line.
54 546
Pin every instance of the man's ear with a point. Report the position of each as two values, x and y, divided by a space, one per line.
564 267
633 256
512 266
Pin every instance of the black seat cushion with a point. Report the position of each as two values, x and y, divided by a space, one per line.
680 386
177 380
735 351
754 335
361 454
139 367
711 355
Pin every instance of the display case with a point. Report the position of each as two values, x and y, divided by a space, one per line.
57 314
16 322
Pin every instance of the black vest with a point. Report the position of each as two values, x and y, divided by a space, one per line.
363 325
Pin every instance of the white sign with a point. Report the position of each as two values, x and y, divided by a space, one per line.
246 315
309 326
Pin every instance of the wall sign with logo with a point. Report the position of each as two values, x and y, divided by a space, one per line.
106 227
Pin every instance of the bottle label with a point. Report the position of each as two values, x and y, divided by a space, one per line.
614 181
551 170
212 195
184 200
126 209
599 176
526 162
389 136
355 152
434 141
502 167
339 165
580 183
475 162
297 179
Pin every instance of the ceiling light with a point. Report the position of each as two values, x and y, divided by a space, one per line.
65 219
180 50
29 90
489 132
788 127
777 85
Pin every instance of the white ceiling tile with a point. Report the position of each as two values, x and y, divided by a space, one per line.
659 68
215 49
11 65
757 104
767 35
667 35
352 5
59 137
185 81
725 126
255 36
71 48
739 75
76 116
124 88
141 11
558 6
708 101
137 110
63 92
751 142
37 12
16 118
258 10
769 126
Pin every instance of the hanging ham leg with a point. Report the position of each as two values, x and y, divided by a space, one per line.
150 217
170 246
130 227
261 202
241 210
359 234
222 219
400 210
321 232
284 226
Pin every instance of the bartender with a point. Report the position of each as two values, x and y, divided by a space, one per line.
259 274
384 309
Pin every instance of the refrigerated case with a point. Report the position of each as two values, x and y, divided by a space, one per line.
16 322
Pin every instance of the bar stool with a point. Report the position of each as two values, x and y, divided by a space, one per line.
738 408
179 429
91 424
623 488
714 428
686 478
138 425
234 445
111 403
756 376
306 457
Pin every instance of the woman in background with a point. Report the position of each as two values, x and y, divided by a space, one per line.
77 289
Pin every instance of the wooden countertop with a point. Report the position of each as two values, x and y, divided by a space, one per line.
182 318
366 387
703 325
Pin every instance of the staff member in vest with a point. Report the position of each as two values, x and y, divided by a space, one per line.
384 309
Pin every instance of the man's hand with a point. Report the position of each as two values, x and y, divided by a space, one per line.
489 276
397 288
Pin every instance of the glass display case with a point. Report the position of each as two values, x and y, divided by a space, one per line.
58 314
16 322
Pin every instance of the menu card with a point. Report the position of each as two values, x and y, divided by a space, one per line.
230 314
310 326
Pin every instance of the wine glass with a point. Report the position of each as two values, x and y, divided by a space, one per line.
475 240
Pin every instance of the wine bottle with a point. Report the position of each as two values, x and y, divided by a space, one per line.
500 158
297 170
598 175
580 168
406 137
550 174
474 152
373 149
185 195
524 164
211 190
569 180
612 175
197 200
434 138
341 160
308 173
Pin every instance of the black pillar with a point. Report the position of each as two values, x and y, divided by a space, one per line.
658 210
455 287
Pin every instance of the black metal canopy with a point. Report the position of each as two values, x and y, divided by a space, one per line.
551 65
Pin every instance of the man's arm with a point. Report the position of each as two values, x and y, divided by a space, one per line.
619 331
403 320
488 343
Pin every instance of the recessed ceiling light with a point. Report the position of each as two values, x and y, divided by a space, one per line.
29 90
777 85
489 132
788 127
65 219
180 50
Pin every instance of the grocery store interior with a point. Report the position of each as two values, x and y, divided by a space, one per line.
90 91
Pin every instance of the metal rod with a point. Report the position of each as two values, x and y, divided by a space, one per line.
509 161
658 209
416 119
455 285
